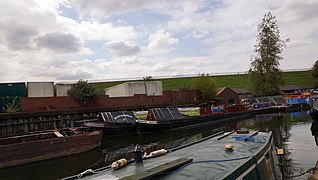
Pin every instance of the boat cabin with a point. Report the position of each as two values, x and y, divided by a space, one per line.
162 114
117 117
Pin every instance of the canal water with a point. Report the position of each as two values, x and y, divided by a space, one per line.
295 132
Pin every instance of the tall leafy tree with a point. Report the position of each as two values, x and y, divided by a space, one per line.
206 85
265 76
82 91
315 74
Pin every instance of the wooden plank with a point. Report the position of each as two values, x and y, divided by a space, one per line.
58 134
159 169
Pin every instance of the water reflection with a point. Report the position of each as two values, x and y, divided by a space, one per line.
53 168
292 133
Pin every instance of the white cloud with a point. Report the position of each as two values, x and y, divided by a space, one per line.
93 30
161 41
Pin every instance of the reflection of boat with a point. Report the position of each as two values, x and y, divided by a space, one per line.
112 123
314 114
53 169
244 155
264 117
46 145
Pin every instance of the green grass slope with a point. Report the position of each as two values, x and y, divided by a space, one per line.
302 79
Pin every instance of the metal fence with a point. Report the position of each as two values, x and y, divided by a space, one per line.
186 75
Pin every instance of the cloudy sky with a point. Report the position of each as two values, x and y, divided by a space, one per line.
58 40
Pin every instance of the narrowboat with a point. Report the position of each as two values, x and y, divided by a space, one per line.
37 146
167 119
299 102
114 123
241 154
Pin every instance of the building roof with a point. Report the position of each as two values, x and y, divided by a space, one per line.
289 87
236 90
219 90
241 91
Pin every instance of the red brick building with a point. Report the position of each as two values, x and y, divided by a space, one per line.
228 95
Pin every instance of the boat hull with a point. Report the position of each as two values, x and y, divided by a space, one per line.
314 116
37 150
113 128
263 165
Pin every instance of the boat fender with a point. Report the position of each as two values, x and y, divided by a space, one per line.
229 147
158 153
119 164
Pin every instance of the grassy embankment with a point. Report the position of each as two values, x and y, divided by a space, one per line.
302 79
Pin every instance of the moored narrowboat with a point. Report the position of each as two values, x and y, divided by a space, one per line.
167 119
235 155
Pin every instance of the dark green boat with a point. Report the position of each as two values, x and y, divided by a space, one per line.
252 156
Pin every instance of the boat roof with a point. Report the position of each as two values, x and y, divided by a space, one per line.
118 117
161 114
208 156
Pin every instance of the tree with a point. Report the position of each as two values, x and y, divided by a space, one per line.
82 91
315 74
206 85
265 76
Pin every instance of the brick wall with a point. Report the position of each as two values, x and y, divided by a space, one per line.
169 98
228 95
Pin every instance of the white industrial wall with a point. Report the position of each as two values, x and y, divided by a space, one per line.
154 88
40 89
117 91
61 89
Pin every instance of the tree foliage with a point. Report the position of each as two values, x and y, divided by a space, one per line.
265 76
82 91
315 74
206 85
147 78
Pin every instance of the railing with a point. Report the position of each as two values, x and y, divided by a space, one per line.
188 75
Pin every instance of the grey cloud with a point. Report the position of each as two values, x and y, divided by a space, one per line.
301 11
60 42
122 48
105 8
18 36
